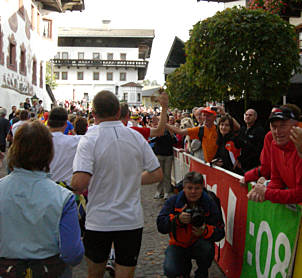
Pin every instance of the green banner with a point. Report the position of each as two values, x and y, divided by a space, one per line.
270 239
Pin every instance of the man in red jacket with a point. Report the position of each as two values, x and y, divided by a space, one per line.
286 165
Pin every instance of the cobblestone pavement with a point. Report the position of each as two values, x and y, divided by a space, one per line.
150 262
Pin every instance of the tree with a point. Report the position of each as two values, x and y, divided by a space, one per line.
50 78
243 53
183 94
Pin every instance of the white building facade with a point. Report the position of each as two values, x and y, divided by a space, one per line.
27 40
91 60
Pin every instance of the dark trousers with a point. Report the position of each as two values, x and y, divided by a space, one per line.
178 259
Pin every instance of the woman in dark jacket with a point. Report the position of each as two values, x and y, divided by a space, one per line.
228 146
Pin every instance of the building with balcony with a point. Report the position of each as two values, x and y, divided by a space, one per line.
27 40
91 60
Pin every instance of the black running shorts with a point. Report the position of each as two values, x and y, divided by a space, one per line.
127 245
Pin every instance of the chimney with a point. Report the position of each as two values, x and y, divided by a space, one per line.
105 24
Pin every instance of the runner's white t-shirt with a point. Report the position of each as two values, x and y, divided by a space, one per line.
115 156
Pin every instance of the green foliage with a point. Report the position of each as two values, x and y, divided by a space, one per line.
240 53
183 94
50 77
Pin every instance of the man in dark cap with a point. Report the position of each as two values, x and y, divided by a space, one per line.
286 165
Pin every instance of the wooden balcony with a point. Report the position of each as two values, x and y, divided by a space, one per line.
99 63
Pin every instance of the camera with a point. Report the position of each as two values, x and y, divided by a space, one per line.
197 216
214 108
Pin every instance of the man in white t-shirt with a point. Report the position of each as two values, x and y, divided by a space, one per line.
113 161
65 146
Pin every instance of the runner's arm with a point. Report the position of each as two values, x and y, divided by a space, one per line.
160 129
152 177
80 182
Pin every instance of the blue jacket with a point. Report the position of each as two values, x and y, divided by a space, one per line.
167 220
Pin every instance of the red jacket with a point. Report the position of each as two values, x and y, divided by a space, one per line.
264 170
285 186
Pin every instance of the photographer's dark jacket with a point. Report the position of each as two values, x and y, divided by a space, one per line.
181 234
164 144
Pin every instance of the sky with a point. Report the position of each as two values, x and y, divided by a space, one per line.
169 18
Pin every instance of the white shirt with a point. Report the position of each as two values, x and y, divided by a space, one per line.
115 156
65 147
16 126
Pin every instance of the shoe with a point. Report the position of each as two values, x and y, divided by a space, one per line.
158 195
110 267
166 196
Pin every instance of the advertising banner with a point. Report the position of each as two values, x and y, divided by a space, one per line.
270 239
234 207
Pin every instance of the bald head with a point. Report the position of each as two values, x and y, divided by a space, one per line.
250 117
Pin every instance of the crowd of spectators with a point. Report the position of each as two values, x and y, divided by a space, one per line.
79 139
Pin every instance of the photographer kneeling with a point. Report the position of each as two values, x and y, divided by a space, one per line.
193 222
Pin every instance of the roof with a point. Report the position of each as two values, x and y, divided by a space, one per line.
94 32
176 56
150 92
62 5
132 84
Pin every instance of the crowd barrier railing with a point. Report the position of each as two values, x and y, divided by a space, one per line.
262 239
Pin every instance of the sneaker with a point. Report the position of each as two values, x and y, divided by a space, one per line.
158 195
166 196
110 267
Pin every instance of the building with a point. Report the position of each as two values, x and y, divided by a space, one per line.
150 96
91 60
27 41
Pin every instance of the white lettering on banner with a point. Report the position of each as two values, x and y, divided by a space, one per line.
232 201
264 228
281 267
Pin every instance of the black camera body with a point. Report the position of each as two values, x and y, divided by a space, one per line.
197 216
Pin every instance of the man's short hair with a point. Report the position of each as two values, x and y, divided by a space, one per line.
24 115
57 117
105 104
194 178
124 110
32 148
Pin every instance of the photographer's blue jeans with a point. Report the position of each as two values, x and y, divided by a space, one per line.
178 259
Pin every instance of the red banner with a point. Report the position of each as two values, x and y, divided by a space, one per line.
234 206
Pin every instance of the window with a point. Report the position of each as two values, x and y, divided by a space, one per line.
64 55
32 17
96 56
300 40
64 75
58 55
41 75
96 76
22 68
21 8
138 97
125 98
109 56
123 56
80 55
109 76
57 75
1 47
86 96
11 58
80 75
38 22
122 76
47 28
34 73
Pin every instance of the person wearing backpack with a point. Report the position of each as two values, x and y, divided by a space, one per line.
193 220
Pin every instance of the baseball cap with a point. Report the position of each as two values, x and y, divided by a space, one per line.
281 114
208 110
